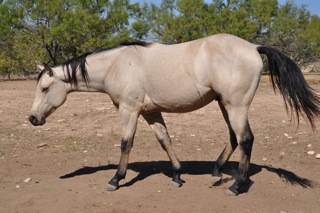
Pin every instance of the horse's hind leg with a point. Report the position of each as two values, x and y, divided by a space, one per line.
226 153
240 130
158 126
129 125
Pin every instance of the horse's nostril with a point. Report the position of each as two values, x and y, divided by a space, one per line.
33 119
35 122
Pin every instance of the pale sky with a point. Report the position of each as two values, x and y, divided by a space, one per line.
312 5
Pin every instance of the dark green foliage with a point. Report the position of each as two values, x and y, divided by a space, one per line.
54 31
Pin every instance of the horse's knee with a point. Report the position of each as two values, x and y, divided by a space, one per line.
126 145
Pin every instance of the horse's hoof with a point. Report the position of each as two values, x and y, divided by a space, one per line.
176 184
231 193
111 187
216 180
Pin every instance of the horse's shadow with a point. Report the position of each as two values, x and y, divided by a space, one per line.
146 169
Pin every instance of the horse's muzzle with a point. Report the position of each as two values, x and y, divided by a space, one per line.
36 122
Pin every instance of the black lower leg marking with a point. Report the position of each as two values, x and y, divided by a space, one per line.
244 164
223 159
176 177
113 184
237 185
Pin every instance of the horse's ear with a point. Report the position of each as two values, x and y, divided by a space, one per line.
38 67
48 69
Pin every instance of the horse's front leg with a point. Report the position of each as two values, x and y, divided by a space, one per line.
129 124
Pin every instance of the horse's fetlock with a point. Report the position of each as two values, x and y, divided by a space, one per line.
112 186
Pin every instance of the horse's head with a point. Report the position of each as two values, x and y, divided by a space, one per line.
51 92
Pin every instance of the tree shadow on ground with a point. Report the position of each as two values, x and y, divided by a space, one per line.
146 169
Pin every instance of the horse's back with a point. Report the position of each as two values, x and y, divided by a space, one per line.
217 65
184 77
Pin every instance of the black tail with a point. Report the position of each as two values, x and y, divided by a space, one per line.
286 76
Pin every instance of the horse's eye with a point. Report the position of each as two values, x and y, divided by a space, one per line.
45 89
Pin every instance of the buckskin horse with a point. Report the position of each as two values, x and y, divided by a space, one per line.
149 78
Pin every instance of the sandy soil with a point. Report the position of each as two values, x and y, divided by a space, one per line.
64 165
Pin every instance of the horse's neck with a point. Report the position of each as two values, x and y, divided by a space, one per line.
97 65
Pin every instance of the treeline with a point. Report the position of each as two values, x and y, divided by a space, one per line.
53 31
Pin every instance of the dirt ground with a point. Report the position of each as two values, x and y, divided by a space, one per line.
64 166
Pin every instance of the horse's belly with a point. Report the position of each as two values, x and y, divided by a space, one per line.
177 101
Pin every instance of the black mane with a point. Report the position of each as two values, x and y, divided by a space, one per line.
40 75
79 62
71 66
